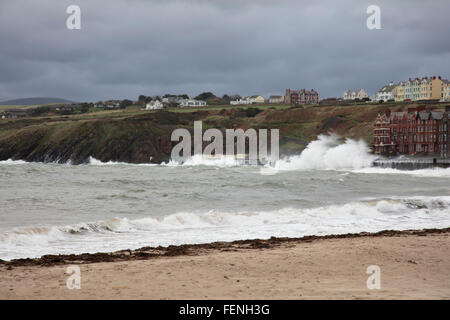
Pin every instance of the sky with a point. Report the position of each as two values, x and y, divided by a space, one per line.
130 47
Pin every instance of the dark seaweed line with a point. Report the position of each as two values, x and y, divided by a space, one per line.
196 249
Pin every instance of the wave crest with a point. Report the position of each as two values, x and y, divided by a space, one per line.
328 152
369 215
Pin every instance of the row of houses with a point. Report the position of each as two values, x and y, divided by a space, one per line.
255 99
417 131
293 97
109 104
181 102
417 89
14 113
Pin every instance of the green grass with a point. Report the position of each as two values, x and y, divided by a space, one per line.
3 107
229 106
15 107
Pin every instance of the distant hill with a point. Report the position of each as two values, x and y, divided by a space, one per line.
33 101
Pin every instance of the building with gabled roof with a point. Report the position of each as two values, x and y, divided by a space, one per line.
303 96
417 131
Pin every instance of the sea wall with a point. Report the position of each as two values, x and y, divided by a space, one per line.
412 163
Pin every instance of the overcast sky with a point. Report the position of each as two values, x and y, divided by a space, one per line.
153 47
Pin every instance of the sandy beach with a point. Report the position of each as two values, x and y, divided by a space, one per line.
413 266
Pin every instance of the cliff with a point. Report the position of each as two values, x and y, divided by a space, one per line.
144 136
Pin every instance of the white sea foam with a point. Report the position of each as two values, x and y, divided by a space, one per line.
328 152
434 172
12 162
187 227
95 162
200 160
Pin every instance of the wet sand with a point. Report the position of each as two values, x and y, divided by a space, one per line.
413 264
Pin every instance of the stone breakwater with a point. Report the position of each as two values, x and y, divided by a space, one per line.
405 163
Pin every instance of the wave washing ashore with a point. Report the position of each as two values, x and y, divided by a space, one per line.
330 188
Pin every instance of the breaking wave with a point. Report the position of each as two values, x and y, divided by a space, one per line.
370 215
200 160
329 152
12 162
95 162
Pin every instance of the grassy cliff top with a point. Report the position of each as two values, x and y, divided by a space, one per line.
135 135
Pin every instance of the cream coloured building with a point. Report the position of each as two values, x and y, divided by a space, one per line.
399 92
355 94
256 99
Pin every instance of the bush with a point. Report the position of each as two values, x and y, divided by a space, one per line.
125 103
41 110
251 112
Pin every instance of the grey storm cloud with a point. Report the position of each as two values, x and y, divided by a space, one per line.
153 47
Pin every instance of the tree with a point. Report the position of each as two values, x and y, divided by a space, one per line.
143 100
225 99
41 110
205 96
125 103
84 107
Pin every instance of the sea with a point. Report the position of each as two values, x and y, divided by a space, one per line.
329 188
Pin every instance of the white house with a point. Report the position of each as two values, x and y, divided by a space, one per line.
276 99
240 101
192 103
154 105
355 94
386 93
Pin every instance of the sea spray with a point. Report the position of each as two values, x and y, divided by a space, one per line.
329 152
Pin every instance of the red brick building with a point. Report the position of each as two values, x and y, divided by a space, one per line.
418 131
297 97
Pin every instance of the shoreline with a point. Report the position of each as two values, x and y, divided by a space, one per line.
147 252
413 264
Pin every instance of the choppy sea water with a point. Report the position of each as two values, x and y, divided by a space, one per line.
329 189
